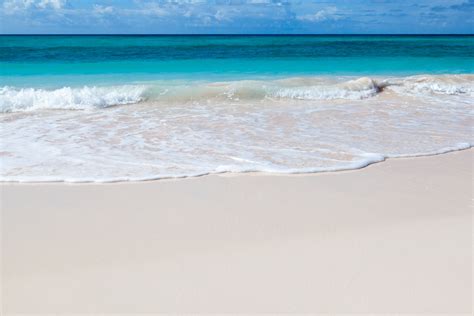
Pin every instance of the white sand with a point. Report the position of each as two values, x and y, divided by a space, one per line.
393 237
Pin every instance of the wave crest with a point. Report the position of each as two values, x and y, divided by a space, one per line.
29 99
443 84
361 88
304 88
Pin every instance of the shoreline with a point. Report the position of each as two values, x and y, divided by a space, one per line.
288 126
391 238
468 147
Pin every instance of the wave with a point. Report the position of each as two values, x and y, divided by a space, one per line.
316 88
278 129
364 160
361 88
67 98
442 84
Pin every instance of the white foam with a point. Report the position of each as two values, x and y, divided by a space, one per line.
30 99
443 84
191 129
89 98
361 88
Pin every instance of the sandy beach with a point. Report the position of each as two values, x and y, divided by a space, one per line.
395 237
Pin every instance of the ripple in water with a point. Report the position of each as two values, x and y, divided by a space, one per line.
175 129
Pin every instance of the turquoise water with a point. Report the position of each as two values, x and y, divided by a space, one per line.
118 108
79 60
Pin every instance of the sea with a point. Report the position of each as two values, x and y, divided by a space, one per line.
132 108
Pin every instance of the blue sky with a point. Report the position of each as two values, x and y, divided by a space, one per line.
236 16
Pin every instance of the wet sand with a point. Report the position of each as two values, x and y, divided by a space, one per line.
395 237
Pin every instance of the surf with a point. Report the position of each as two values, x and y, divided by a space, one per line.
14 99
168 129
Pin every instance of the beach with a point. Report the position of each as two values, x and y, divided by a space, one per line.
394 237
236 173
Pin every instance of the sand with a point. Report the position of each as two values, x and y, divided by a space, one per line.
395 237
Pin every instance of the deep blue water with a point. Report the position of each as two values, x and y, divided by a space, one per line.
63 60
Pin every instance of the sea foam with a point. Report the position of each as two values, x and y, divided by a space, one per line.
67 98
181 129
306 88
441 84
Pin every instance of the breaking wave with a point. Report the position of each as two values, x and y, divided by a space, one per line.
443 84
85 98
293 125
89 98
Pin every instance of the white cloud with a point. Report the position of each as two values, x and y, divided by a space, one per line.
222 15
100 9
55 4
15 5
259 1
152 9
329 13
183 2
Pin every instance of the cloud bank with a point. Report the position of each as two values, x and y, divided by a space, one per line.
236 16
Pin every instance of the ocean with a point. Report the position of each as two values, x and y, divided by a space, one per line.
131 108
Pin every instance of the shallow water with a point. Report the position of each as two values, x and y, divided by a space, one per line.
98 108
284 126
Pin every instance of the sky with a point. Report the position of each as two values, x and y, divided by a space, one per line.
236 16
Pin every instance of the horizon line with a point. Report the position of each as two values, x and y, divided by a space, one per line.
237 34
